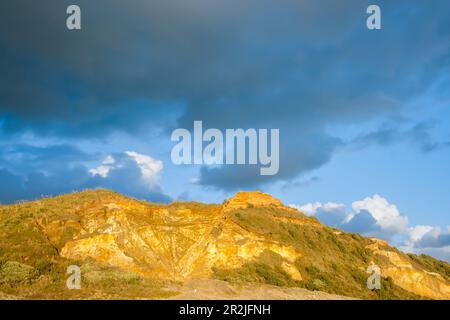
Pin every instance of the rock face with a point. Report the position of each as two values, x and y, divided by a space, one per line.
403 273
243 200
252 236
175 242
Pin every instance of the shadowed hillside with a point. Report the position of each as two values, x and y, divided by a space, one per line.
135 249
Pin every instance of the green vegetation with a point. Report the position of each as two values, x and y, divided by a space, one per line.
105 276
31 267
431 265
267 270
13 273
330 262
257 273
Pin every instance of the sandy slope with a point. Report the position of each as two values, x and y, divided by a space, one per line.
204 289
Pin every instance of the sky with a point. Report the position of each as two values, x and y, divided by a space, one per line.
363 115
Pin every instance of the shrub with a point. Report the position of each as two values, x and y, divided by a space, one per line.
13 273
256 272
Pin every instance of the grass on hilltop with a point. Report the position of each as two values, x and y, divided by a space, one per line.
31 267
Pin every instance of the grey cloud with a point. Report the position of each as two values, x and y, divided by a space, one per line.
436 245
429 241
296 157
295 65
364 223
10 187
300 183
419 135
221 55
439 253
21 181
331 217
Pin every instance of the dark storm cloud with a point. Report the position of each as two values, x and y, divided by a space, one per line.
299 152
37 155
295 65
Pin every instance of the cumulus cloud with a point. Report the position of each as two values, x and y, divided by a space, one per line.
365 224
103 169
372 216
312 209
332 214
60 169
418 232
428 240
385 214
429 237
150 168
139 172
376 217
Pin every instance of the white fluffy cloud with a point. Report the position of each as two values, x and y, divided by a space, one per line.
372 216
150 168
130 173
418 232
312 209
103 169
376 217
330 213
428 236
428 240
385 214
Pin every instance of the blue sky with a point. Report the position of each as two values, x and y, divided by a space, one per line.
364 116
